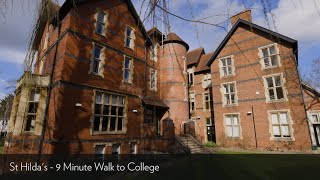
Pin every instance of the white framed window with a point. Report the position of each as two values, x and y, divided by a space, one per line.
192 101
154 53
109 110
226 66
190 72
96 61
269 56
232 125
133 148
127 70
153 79
33 101
207 98
101 22
229 94
206 82
209 121
129 37
280 124
315 117
274 85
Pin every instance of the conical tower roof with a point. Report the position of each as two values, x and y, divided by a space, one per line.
174 38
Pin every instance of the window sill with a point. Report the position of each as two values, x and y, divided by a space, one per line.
227 76
108 133
129 48
128 83
271 67
277 101
234 138
229 105
96 74
102 35
282 139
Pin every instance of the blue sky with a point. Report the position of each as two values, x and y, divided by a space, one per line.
297 19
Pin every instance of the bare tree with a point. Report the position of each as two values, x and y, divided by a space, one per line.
313 77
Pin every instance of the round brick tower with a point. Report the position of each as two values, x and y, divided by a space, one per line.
174 79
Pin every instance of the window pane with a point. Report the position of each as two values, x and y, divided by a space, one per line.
236 131
276 131
120 111
129 30
34 95
271 94
114 100
106 99
223 62
227 99
225 89
274 61
98 98
277 80
229 131
229 61
279 93
283 118
121 103
274 118
266 62
115 149
105 123
95 66
285 131
30 123
113 110
126 75
208 121
106 110
97 52
97 109
229 70
225 71
232 88
127 63
33 106
113 124
100 16
99 28
119 124
233 99
265 52
235 120
315 118
228 120
269 81
128 40
272 50
96 123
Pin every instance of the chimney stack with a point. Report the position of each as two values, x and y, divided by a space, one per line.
245 15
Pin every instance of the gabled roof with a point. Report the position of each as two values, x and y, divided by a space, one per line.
174 38
254 26
312 90
194 56
202 65
68 4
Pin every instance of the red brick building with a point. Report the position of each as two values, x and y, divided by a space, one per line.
103 84
258 98
95 87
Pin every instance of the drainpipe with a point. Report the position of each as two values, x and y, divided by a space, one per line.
254 128
49 93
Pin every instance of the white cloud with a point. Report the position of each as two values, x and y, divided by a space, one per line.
12 55
297 19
